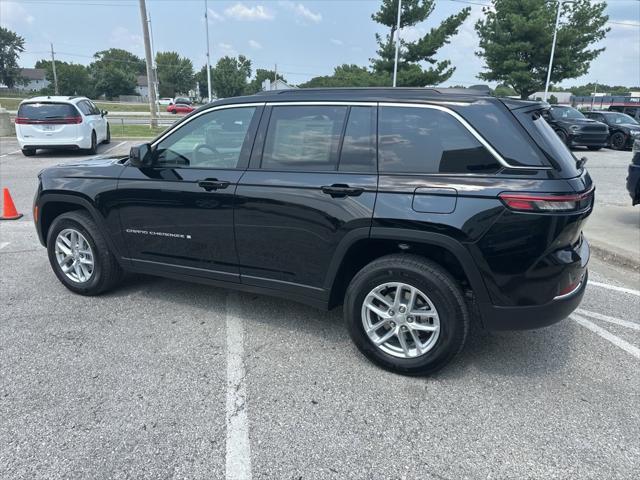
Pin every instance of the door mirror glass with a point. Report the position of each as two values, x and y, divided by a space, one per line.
140 156
104 113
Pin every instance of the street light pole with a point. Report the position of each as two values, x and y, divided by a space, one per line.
395 63
206 24
150 73
553 50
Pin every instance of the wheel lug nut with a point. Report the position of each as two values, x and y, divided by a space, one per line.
393 324
391 312
409 319
402 309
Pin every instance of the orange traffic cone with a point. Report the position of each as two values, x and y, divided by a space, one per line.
9 211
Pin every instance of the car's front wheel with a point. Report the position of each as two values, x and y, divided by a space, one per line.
406 314
618 140
80 256
94 144
107 139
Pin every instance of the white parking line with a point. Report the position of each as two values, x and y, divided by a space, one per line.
115 146
238 457
9 153
607 335
3 244
607 318
615 287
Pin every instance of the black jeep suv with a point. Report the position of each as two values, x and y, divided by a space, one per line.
418 210
623 129
576 130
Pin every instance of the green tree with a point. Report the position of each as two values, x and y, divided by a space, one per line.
175 74
349 76
255 85
115 72
11 46
413 55
73 78
201 79
503 90
229 77
516 36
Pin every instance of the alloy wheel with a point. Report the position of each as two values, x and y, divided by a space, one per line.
74 255
400 320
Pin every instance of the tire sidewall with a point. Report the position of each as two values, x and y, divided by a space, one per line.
96 279
613 143
452 328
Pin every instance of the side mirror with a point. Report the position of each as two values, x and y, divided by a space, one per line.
140 156
104 113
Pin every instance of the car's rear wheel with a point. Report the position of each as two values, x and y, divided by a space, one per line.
594 149
108 137
80 256
94 144
28 152
618 140
406 314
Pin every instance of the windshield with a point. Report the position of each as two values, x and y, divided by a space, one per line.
565 112
620 118
45 111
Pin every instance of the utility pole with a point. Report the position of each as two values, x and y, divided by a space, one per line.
149 61
275 75
55 75
155 67
395 64
206 24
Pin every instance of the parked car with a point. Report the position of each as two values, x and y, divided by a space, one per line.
180 108
412 208
633 112
183 100
633 179
165 101
69 123
623 129
575 130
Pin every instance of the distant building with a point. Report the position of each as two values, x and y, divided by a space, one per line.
35 78
564 98
142 86
279 84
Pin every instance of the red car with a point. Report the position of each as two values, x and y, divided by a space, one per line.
180 108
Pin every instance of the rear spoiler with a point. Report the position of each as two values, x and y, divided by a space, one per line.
525 105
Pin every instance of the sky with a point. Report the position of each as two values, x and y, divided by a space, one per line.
304 38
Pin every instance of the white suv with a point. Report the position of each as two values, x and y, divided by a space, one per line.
61 123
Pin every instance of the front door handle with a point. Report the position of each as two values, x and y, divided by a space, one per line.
213 184
341 190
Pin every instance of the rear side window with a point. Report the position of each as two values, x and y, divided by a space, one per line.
303 138
425 140
358 152
46 111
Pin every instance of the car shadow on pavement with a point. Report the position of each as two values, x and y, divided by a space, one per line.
530 353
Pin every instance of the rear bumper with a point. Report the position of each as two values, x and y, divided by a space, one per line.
28 146
524 318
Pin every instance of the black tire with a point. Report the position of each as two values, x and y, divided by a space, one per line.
434 281
594 149
174 112
107 140
618 141
28 152
94 144
563 136
107 272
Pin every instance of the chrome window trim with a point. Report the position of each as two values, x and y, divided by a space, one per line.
441 108
468 126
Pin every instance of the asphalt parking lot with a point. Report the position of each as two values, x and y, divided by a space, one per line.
162 379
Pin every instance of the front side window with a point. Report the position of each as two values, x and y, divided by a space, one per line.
303 138
426 140
212 140
620 118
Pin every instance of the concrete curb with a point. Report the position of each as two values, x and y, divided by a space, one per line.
617 258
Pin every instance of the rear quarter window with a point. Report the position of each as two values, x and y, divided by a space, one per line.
46 111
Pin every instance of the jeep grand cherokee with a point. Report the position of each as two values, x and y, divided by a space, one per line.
418 210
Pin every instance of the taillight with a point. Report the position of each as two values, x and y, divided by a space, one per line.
528 202
49 121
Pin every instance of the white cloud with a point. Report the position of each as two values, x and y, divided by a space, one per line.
255 44
240 11
302 12
335 41
227 49
121 37
212 15
13 14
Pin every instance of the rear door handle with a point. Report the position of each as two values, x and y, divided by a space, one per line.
340 190
213 184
